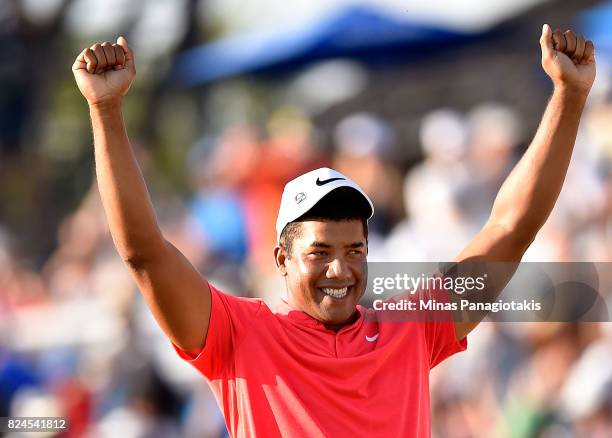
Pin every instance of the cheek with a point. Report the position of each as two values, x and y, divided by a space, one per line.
309 269
360 268
303 267
301 273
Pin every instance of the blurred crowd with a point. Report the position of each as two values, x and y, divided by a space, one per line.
77 339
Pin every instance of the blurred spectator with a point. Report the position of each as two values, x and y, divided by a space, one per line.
431 191
75 336
364 144
493 134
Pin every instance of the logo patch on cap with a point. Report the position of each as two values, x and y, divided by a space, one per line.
321 182
300 197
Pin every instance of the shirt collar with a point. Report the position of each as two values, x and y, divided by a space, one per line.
302 318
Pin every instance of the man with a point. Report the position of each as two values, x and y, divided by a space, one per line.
321 365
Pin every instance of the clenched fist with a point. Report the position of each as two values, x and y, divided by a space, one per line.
568 59
104 72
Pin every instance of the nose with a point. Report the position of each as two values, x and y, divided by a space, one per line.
338 269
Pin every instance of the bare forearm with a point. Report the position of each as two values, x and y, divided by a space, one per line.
529 193
128 208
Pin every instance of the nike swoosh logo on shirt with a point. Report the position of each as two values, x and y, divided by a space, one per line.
372 338
325 181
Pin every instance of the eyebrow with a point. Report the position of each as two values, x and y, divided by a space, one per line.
317 244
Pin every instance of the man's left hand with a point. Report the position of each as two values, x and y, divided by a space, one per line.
568 59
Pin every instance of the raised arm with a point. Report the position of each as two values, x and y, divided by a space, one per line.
528 195
176 293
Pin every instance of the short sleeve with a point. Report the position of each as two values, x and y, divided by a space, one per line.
230 319
439 327
441 341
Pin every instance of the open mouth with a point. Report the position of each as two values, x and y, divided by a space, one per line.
337 293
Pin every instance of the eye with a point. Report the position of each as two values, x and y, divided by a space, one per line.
355 252
318 253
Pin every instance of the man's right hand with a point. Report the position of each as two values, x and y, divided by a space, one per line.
104 72
568 58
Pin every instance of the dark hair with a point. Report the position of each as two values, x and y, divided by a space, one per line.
341 204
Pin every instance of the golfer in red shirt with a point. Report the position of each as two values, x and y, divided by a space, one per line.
321 365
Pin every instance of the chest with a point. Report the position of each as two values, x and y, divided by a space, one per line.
375 363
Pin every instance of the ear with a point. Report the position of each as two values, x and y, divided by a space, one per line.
280 258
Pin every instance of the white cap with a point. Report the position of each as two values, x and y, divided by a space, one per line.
305 191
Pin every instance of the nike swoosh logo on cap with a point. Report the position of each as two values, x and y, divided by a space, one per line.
372 338
325 181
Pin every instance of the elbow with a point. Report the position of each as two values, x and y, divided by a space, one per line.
518 234
522 241
133 259
137 258
519 225
522 235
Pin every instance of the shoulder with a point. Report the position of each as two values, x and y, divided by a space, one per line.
234 305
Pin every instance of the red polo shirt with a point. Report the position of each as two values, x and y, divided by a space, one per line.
285 374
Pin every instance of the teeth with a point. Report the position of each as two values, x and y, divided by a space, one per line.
336 293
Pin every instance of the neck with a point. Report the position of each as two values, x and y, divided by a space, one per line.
337 327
